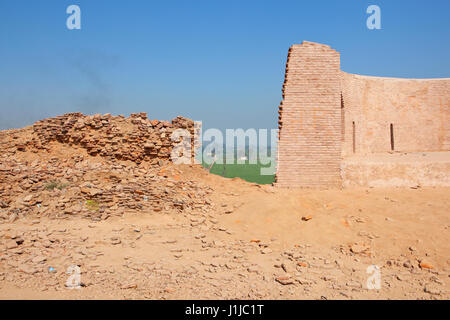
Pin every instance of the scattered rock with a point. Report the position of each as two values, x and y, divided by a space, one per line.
358 248
407 264
285 280
253 269
129 286
287 267
11 244
115 240
266 251
353 284
432 289
425 265
39 259
303 281
27 269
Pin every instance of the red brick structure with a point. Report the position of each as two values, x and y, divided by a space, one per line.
328 116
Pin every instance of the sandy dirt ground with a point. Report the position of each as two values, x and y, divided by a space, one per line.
256 242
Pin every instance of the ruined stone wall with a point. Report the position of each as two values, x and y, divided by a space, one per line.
96 167
135 138
417 111
309 148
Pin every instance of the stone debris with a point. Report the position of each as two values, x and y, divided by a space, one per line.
115 137
432 289
285 280
358 248
425 264
115 241
94 166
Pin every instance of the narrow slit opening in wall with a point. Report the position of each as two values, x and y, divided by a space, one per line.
342 119
353 137
391 129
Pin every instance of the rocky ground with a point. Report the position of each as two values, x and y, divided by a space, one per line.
161 231
316 246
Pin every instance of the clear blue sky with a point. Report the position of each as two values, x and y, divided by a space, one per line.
221 62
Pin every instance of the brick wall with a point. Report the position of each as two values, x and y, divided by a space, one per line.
309 147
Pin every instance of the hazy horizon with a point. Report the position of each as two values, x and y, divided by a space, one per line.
221 63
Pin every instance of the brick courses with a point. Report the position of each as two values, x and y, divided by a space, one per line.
309 147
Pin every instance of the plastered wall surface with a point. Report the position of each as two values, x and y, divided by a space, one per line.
419 111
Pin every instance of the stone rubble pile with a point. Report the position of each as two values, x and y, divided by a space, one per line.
96 190
61 181
114 137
